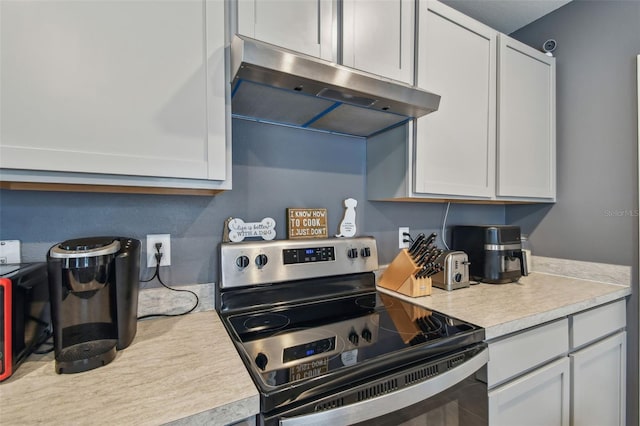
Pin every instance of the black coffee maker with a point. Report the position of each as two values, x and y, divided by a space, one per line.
495 252
93 284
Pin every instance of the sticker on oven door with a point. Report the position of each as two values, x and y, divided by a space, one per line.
309 369
349 358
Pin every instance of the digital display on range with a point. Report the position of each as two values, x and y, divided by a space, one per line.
308 349
308 255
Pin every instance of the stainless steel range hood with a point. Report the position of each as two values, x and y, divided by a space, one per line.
280 86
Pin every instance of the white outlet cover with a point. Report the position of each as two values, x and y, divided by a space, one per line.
401 237
152 239
10 252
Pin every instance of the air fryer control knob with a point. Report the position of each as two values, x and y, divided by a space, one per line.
261 361
242 262
354 338
458 277
261 260
352 253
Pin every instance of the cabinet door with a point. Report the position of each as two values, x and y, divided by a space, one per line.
378 37
304 26
598 383
526 117
117 88
538 398
455 146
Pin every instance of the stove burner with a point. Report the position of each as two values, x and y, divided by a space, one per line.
267 321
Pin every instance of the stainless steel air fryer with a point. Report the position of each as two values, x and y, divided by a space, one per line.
495 252
93 284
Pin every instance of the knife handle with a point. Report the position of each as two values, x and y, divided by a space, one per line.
416 244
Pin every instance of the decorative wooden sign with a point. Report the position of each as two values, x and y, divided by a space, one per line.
306 223
239 230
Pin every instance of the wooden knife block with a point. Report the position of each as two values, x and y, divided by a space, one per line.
399 276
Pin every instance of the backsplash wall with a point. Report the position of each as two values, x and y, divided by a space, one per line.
273 168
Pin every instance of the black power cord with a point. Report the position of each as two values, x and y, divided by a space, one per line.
155 275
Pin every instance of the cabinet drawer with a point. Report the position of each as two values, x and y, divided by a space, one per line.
524 351
598 322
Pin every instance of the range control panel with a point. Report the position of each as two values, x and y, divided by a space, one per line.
263 262
306 255
288 349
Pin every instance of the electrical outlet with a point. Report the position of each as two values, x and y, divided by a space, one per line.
401 237
9 251
152 239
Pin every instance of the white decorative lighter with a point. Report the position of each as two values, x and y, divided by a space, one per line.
348 224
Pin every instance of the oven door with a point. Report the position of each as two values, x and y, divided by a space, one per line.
457 396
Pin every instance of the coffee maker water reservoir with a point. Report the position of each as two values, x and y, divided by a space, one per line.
93 284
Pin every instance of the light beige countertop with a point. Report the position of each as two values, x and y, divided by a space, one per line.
182 369
506 308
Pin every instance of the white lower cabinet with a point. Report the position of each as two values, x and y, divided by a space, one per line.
567 372
598 383
538 398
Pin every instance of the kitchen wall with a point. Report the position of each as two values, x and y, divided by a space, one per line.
273 168
596 216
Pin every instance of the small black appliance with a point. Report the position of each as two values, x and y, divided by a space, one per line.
495 252
94 300
24 312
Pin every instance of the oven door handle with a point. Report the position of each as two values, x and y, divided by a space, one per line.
378 406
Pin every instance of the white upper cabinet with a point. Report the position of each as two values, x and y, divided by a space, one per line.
493 136
115 89
306 26
455 146
379 37
526 117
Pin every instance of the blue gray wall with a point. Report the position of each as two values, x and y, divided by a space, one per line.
273 168
596 216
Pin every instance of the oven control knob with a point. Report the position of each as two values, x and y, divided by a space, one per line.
366 334
354 338
261 260
365 252
352 253
261 361
242 262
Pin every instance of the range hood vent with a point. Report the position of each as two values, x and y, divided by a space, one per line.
279 86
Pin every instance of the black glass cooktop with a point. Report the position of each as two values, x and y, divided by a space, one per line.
291 344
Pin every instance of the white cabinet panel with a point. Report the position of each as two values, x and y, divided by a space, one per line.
455 146
378 37
117 88
538 398
598 383
526 116
595 323
306 26
523 351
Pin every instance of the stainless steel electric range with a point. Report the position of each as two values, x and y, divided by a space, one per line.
324 347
